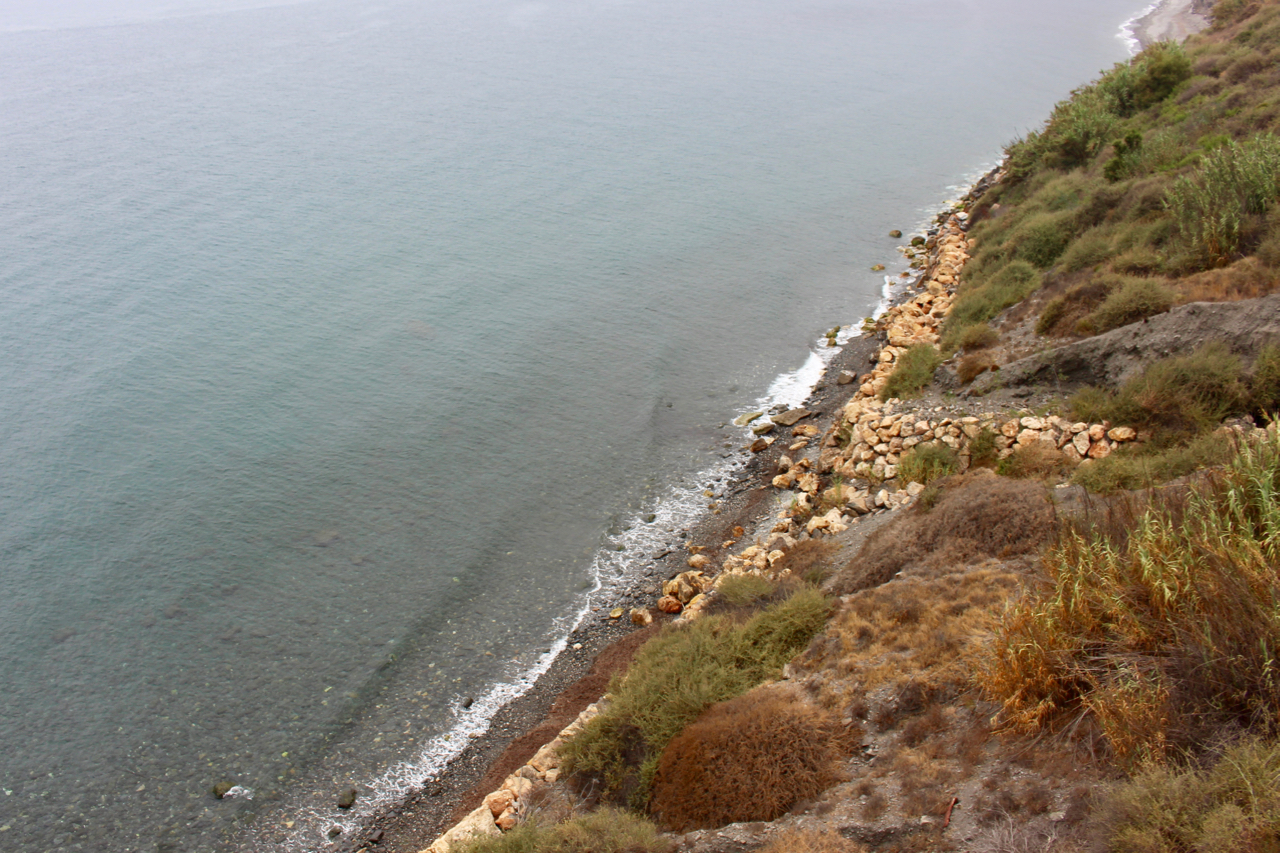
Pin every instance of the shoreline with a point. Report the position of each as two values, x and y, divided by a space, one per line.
1167 20
571 682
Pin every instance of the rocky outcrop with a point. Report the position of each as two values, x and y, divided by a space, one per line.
1111 358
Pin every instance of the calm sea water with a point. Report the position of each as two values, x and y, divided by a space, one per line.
343 344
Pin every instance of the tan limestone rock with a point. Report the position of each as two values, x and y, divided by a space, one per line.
1097 432
641 617
698 561
1010 429
670 604
1122 434
499 801
1100 450
1081 443
507 820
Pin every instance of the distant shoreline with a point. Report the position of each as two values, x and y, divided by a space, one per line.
1172 20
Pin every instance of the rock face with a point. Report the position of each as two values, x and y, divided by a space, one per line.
1111 358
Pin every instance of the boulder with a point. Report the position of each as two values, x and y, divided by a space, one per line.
507 820
670 604
791 417
641 617
698 561
499 801
1097 432
1081 443
1122 434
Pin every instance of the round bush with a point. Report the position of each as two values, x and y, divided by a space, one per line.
751 758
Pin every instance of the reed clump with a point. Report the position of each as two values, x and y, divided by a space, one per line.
1157 623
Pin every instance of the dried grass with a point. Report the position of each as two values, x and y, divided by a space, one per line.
1157 629
811 841
975 516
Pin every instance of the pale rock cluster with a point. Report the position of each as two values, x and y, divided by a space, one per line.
504 808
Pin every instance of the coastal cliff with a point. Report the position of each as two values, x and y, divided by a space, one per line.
1007 582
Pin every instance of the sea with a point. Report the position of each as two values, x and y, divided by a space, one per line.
352 351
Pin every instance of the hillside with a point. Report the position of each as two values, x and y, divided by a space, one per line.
1017 591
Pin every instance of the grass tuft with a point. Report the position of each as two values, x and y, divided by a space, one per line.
927 462
913 371
603 831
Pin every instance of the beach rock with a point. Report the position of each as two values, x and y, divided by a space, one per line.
743 420
347 798
762 428
895 233
670 604
640 617
499 801
784 481
698 561
759 445
791 417
808 483
859 504
220 789
478 822
845 377
1122 434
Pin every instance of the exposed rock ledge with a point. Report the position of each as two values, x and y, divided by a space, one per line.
1111 358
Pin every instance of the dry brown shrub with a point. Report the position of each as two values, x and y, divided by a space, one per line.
811 841
977 516
1038 460
974 365
915 634
1247 278
809 559
751 758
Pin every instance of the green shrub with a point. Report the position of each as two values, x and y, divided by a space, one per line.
674 678
912 372
1088 250
927 462
1041 239
978 336
745 590
1130 300
1124 161
1183 395
1039 460
603 831
983 298
1158 623
1137 467
983 450
1211 206
1264 385
1050 315
1231 807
